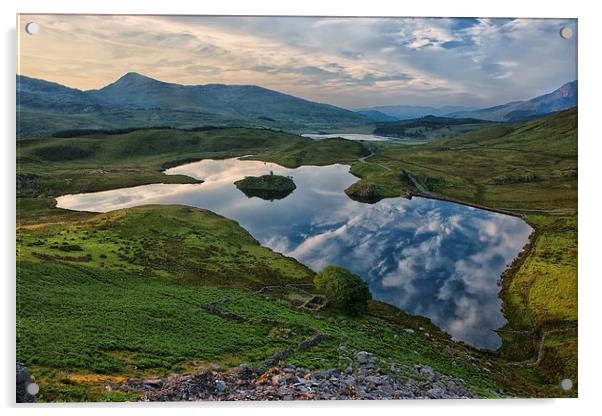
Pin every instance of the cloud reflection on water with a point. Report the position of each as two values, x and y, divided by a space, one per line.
432 258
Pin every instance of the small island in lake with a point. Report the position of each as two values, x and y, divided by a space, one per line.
269 187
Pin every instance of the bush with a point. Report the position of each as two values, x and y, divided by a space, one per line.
344 290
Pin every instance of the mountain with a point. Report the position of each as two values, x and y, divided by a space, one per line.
135 100
429 127
37 93
376 115
561 99
409 112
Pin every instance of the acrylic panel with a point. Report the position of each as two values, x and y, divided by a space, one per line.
295 208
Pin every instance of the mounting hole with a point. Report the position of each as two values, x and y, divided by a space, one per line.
566 384
33 388
566 32
32 28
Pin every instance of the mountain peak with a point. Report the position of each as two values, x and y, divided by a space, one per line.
133 79
134 75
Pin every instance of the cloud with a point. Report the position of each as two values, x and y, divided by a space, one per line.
351 62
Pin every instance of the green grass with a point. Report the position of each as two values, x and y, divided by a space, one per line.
178 242
529 165
315 152
107 161
80 328
97 293
85 320
429 127
266 183
528 169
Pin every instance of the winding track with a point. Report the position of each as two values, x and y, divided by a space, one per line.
426 193
537 361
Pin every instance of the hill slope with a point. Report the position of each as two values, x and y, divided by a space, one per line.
408 112
561 99
429 127
135 100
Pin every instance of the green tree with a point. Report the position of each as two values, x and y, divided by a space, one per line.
344 290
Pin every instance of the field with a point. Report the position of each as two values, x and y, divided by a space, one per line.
96 293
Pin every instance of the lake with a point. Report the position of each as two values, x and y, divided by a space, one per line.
432 258
351 136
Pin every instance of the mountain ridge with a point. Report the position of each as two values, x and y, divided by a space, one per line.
135 100
560 99
409 112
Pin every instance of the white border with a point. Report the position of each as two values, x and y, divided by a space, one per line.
590 138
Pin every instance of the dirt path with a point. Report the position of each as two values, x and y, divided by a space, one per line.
363 160
280 355
537 361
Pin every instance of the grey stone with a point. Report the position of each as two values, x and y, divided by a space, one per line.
23 381
436 393
220 385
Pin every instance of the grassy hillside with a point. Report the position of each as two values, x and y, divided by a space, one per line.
315 152
177 242
126 294
116 277
50 167
527 169
429 127
135 100
113 296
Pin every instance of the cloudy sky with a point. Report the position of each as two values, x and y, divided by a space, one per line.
349 62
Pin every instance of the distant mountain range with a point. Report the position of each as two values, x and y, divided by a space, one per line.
135 100
408 112
560 99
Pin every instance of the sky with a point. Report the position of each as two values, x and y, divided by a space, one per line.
348 62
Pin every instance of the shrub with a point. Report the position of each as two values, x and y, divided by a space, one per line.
344 290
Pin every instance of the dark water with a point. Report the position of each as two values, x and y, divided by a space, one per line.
432 258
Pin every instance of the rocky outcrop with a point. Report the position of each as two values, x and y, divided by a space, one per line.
23 381
364 379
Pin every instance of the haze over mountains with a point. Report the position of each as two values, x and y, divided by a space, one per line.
135 100
408 112
560 99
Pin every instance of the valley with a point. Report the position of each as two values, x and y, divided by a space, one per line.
183 258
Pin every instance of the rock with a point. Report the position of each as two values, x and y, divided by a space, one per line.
153 382
363 357
426 371
409 330
366 381
220 385
23 381
436 393
374 380
246 372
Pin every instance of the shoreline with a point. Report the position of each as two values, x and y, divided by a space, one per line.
525 251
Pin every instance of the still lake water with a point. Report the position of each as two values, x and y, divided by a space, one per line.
350 136
433 258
